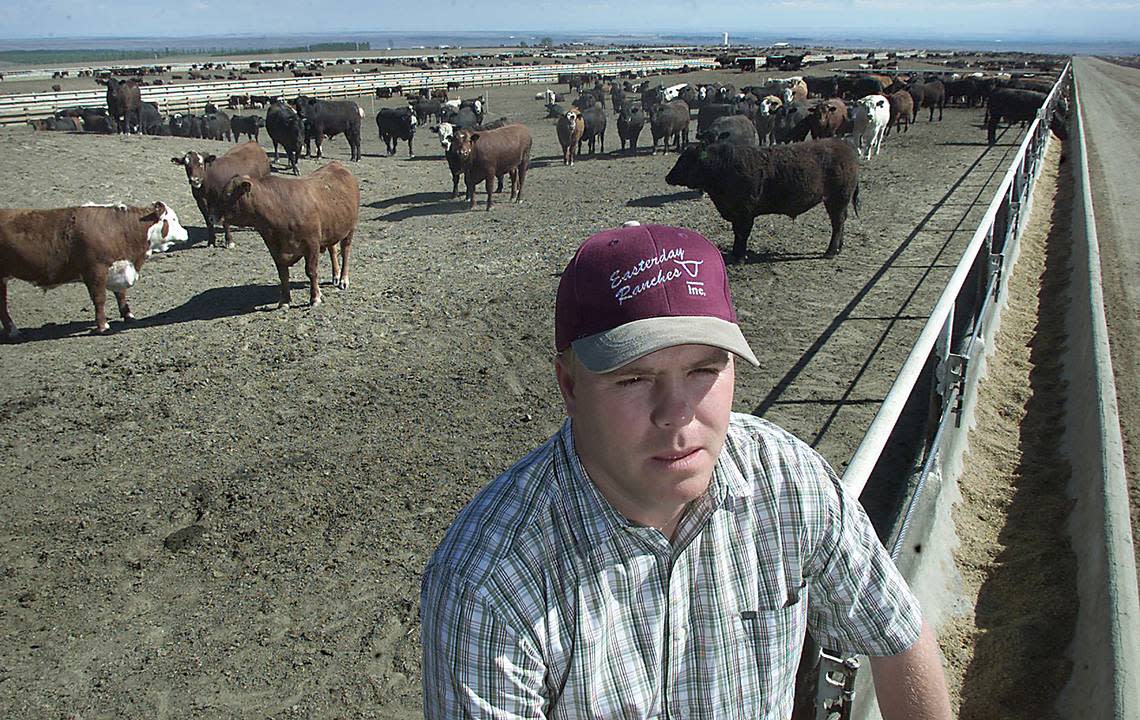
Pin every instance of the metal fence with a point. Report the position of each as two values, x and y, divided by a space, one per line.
16 109
916 435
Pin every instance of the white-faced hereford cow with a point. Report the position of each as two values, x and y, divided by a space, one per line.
208 175
298 218
102 245
744 182
487 154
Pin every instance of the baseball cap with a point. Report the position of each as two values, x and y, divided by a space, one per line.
636 289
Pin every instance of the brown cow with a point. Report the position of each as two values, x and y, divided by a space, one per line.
827 119
208 175
902 110
102 245
298 218
486 154
570 129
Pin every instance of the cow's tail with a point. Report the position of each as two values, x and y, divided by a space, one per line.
855 199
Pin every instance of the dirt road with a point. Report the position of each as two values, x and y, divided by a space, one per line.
1111 98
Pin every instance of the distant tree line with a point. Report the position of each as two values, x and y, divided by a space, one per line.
92 55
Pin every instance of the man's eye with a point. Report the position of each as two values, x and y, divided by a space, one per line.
626 382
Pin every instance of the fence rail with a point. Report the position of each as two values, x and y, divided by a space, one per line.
936 385
16 109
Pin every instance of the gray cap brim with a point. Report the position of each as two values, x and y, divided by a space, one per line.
609 350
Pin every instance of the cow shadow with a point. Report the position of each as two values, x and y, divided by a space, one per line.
659 200
769 256
56 331
438 208
212 304
218 303
420 198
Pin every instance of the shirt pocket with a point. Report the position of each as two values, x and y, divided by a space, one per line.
769 641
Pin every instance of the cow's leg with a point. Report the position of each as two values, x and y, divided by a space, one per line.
229 237
124 308
312 269
345 248
276 156
837 211
336 265
9 326
741 229
490 184
410 152
514 182
471 185
96 282
523 167
283 275
454 184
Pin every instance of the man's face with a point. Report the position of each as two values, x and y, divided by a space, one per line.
650 432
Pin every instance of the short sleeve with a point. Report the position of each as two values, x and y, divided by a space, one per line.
475 665
860 603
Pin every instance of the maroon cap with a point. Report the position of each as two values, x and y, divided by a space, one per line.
637 289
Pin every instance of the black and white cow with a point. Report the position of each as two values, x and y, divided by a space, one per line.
396 124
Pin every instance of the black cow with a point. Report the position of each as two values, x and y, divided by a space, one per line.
928 95
595 133
744 182
464 117
249 125
327 119
285 128
124 103
1012 105
396 124
150 119
735 129
426 109
216 126
629 124
670 121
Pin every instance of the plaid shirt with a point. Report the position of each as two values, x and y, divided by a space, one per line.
543 601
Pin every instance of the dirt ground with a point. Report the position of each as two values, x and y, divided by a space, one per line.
223 509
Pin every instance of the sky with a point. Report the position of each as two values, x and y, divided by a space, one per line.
1078 20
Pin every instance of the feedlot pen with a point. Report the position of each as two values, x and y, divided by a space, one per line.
224 510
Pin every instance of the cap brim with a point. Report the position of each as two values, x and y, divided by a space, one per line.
609 350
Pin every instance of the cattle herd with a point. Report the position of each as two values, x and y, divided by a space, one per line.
781 147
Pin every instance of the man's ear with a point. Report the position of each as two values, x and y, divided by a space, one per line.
564 371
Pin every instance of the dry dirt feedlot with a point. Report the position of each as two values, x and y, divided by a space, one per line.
224 509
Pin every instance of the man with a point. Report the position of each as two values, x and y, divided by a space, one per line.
660 556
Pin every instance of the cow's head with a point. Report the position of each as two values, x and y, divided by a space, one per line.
464 143
195 164
165 230
237 195
446 132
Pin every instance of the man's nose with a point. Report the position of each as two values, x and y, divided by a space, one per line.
672 406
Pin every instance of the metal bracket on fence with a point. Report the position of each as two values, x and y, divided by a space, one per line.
836 688
950 374
995 264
